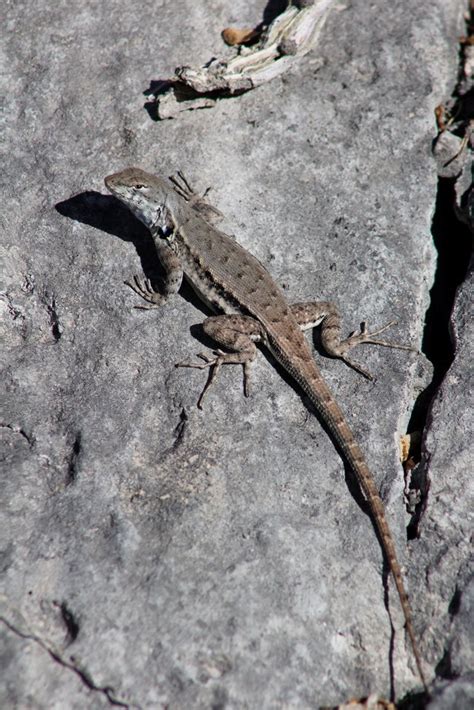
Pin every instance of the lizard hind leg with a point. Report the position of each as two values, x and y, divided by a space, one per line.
311 313
238 334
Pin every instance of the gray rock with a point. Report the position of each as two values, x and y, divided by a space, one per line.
451 155
157 556
458 694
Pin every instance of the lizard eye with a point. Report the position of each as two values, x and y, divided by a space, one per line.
139 186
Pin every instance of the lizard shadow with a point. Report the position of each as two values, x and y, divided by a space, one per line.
106 213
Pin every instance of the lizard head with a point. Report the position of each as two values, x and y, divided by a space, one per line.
149 197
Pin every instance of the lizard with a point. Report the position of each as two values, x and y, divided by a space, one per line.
253 310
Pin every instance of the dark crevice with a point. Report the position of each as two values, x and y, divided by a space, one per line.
54 319
455 603
412 701
452 239
444 668
70 622
71 665
18 430
180 429
71 473
453 242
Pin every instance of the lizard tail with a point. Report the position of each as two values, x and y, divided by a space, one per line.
330 413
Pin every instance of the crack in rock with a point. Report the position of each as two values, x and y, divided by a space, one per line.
84 675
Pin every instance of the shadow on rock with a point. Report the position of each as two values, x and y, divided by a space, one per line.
106 213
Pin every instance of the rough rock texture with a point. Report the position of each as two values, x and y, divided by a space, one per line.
445 548
155 556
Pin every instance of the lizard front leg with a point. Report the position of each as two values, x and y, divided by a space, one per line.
236 333
169 285
312 313
199 203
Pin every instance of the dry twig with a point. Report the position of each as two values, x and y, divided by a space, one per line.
288 38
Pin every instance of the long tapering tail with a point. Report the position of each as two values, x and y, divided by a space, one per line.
331 414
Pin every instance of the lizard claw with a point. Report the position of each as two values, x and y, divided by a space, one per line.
364 336
341 349
214 365
358 368
208 361
145 290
